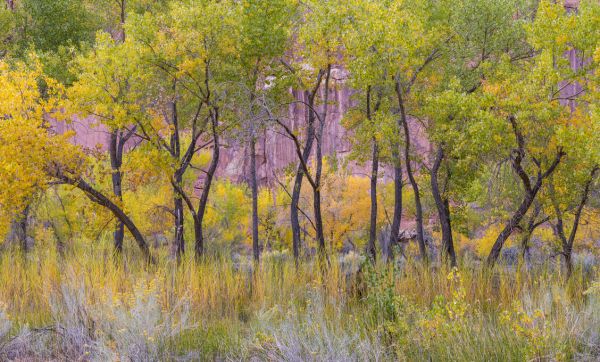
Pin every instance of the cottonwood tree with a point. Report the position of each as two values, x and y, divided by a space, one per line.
265 34
187 84
318 42
457 118
571 186
46 158
418 32
107 90
371 121
528 95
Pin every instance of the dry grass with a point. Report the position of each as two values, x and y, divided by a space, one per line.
87 306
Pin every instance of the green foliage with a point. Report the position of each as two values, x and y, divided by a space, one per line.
56 23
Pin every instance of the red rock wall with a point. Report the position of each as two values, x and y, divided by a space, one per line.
274 150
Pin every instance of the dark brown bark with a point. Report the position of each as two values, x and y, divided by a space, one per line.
303 155
122 14
115 151
528 230
371 248
254 191
559 229
19 229
443 207
210 173
410 173
531 190
118 138
178 247
397 216
295 199
319 169
100 199
253 179
116 145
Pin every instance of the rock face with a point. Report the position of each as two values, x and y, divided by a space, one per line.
274 150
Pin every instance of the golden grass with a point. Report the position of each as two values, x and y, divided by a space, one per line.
227 300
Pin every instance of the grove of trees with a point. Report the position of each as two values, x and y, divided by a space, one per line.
504 93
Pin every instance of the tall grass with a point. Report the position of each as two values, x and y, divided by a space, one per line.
87 305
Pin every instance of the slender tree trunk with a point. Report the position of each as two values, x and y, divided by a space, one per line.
411 177
511 226
254 189
532 224
531 191
253 179
20 229
122 6
303 154
526 255
116 146
295 200
568 255
294 205
319 221
398 184
104 201
443 207
178 247
559 229
319 169
116 161
371 249
397 216
210 173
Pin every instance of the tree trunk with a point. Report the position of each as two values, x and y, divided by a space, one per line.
568 255
397 216
210 173
531 191
559 230
198 235
303 154
443 207
371 249
19 231
319 169
525 246
510 227
254 189
178 247
294 205
99 198
319 221
532 224
116 161
295 202
411 177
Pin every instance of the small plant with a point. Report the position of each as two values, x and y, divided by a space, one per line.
533 328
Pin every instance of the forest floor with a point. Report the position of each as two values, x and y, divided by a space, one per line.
86 306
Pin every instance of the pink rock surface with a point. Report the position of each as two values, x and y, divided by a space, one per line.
274 150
